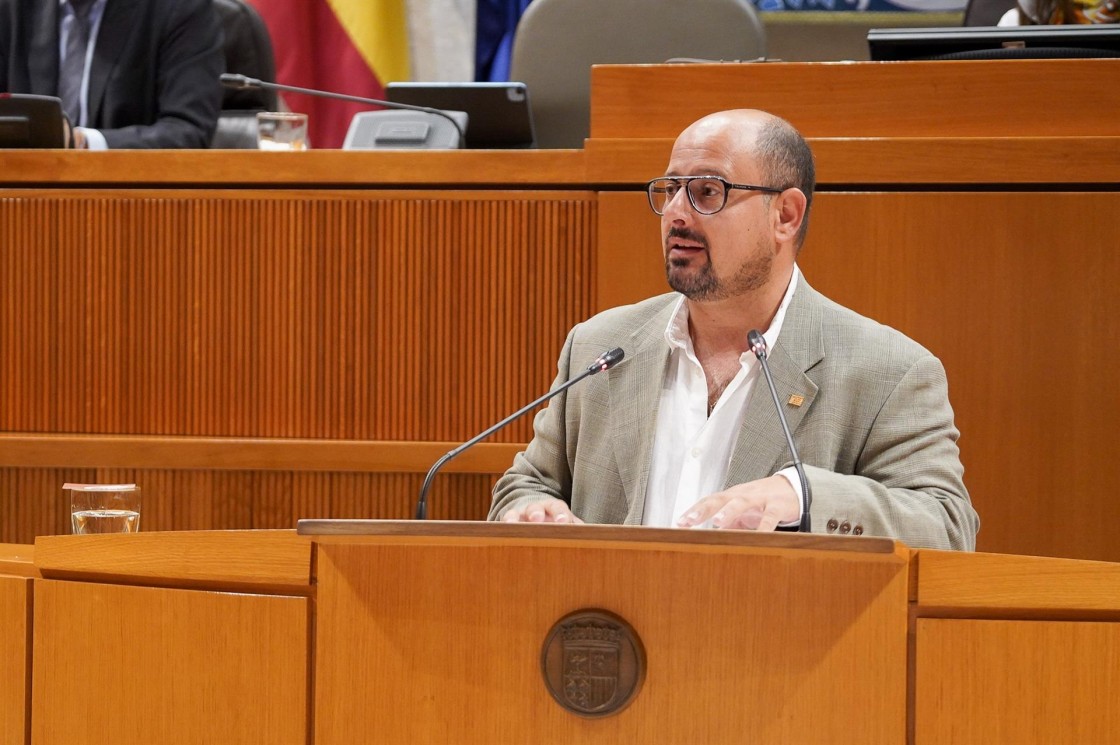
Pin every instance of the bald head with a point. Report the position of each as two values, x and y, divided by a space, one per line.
778 150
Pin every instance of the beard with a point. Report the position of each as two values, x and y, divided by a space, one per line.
701 282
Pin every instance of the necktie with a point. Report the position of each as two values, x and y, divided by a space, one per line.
73 65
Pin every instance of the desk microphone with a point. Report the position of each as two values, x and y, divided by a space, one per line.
605 361
244 82
758 346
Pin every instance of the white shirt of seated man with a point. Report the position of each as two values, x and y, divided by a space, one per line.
692 447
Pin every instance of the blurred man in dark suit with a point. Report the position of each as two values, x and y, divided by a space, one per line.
130 73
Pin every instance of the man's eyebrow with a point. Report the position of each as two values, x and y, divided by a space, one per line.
705 174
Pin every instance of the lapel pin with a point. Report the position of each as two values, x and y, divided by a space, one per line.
796 400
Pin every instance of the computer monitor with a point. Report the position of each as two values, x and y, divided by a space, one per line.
994 42
29 121
499 116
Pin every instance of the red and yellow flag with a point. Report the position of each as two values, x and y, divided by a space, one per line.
342 46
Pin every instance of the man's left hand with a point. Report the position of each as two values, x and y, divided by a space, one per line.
755 505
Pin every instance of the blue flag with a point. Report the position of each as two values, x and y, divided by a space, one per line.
496 24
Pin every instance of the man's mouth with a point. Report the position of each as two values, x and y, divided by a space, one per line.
682 243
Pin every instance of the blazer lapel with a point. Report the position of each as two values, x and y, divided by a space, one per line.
761 449
42 67
632 386
112 36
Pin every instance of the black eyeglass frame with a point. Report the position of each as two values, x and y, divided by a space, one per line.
686 181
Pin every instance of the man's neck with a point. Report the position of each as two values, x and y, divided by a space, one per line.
719 327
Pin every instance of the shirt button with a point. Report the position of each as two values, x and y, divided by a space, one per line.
857 530
845 527
831 526
695 452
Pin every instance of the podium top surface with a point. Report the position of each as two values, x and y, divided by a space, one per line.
604 533
17 559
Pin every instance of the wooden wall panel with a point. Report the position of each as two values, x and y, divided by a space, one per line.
631 263
15 659
1018 300
155 665
978 98
371 316
335 169
1022 682
33 502
351 316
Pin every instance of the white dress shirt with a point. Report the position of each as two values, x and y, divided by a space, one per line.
692 448
94 139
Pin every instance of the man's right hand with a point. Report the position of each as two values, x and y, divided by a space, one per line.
549 510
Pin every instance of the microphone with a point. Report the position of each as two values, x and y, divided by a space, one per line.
758 346
603 362
244 82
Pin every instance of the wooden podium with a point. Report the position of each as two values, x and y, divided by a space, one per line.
380 631
435 634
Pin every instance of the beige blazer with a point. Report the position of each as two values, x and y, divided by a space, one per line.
874 428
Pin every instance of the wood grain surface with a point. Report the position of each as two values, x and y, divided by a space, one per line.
141 665
1008 586
15 657
1023 682
735 638
259 560
984 98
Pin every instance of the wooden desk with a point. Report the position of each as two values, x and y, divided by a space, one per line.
183 637
17 570
1015 649
433 632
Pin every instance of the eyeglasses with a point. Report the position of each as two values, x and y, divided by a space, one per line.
706 194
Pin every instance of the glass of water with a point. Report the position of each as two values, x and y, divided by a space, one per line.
104 508
281 131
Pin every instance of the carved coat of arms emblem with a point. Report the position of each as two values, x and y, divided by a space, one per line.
593 663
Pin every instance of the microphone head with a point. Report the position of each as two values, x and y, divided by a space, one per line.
238 82
758 344
606 361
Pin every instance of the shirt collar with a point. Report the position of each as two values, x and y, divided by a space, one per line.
677 336
65 5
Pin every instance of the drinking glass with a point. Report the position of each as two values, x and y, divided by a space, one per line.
280 130
104 508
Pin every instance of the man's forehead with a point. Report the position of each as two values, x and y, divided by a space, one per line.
695 159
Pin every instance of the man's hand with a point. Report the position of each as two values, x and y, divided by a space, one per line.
755 505
550 510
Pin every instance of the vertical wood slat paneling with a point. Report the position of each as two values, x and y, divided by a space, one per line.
357 316
34 503
362 317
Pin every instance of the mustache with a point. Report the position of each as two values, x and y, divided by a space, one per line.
686 234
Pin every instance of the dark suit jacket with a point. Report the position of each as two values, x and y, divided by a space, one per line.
874 429
154 77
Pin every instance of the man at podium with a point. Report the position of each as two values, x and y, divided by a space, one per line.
684 431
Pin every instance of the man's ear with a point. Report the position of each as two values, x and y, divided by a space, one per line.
788 214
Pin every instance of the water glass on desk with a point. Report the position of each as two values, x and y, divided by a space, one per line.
281 130
104 508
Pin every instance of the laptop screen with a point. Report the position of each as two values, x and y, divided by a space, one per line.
499 114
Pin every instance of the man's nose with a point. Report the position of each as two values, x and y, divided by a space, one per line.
678 207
